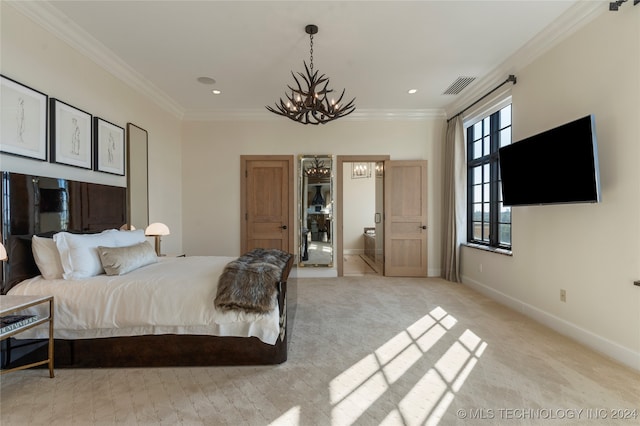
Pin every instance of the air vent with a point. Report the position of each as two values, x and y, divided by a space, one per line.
458 85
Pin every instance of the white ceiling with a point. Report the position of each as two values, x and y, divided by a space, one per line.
376 50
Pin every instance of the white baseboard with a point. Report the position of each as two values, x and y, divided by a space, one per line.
598 343
353 251
434 272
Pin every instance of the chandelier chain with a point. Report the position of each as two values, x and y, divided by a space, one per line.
311 52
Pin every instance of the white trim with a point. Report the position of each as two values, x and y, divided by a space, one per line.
434 272
578 15
598 343
54 21
51 19
355 252
494 103
262 114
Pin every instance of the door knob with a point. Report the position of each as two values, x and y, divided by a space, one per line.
283 227
423 227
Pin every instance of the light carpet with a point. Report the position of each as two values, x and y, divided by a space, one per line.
363 350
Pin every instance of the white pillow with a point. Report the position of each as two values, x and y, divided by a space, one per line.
120 260
128 238
79 253
46 255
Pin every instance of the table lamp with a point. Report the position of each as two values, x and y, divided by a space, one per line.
156 230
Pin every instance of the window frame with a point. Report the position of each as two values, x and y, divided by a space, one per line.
494 191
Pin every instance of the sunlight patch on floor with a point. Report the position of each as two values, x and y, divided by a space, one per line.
347 382
398 366
291 417
429 399
359 400
359 387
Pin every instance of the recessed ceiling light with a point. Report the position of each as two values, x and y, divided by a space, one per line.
216 91
412 91
206 80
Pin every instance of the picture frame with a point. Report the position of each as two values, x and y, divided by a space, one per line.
71 135
360 170
109 147
23 120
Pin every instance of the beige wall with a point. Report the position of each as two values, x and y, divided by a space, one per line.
211 168
32 56
590 250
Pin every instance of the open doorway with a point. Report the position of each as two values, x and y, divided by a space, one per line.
359 207
363 230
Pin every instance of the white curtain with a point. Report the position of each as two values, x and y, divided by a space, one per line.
454 199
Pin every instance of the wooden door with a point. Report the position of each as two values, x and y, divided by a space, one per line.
405 235
267 202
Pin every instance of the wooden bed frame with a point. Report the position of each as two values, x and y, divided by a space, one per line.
92 208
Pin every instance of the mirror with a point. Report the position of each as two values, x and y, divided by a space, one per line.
137 177
316 210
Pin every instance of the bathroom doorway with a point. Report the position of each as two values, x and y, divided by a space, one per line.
359 207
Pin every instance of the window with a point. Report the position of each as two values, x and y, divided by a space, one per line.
489 222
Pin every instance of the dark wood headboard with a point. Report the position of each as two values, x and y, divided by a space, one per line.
43 206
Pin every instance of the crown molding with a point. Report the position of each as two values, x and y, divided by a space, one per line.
52 20
578 15
48 17
358 115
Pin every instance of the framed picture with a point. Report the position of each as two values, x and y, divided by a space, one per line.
23 120
360 170
109 147
70 135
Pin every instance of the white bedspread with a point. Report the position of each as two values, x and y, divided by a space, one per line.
173 296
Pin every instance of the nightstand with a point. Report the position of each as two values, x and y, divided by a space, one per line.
10 305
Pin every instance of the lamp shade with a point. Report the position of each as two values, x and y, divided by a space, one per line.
3 253
127 227
157 228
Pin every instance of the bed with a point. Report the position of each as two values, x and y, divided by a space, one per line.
172 311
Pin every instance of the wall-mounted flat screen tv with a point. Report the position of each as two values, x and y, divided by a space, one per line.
557 166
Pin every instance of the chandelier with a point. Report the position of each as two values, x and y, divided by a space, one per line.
317 171
310 105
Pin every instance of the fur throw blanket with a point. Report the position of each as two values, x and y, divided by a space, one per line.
249 283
